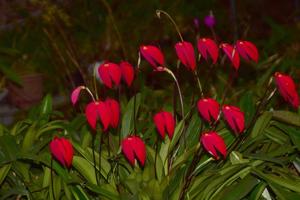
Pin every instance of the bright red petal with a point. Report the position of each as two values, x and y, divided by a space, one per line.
57 151
115 73
208 108
212 142
232 54
104 74
247 50
208 45
104 113
115 112
68 151
127 149
159 122
91 114
169 123
139 149
153 55
127 72
186 54
75 94
234 117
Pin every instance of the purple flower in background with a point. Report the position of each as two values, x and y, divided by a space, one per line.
210 20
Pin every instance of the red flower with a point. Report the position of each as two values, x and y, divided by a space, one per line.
287 89
206 45
134 147
75 94
127 72
62 150
247 50
234 118
209 109
164 122
153 55
114 110
98 110
186 54
109 73
232 54
214 144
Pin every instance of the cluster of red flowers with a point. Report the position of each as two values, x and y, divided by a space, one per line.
133 147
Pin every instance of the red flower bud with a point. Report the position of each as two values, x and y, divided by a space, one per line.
127 72
75 94
232 54
114 110
153 55
109 73
186 54
214 144
209 109
134 147
287 89
234 118
164 122
247 50
62 150
207 45
98 110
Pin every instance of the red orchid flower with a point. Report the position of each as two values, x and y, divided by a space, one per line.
98 110
186 54
164 122
209 109
207 46
127 72
287 89
75 94
110 73
235 118
247 50
114 110
232 54
134 147
62 150
213 144
153 55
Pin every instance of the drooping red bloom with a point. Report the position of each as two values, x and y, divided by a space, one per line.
165 123
209 109
235 118
75 94
98 110
232 54
153 55
214 144
247 50
110 73
207 46
114 111
186 54
62 150
127 72
287 89
134 147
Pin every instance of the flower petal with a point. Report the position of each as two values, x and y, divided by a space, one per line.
75 94
127 72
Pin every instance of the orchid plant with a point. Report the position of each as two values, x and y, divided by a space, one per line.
210 149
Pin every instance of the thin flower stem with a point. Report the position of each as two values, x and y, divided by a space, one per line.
94 81
199 83
94 159
90 93
100 162
52 184
158 12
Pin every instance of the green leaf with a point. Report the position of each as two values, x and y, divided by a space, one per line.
29 137
46 106
10 74
237 158
128 117
103 192
78 193
8 148
257 191
287 117
238 190
85 168
3 172
177 135
261 123
290 184
283 193
247 105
